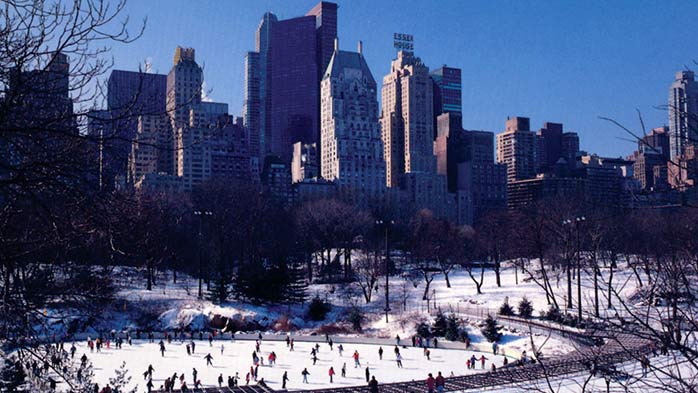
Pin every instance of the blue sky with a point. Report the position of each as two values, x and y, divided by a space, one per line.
561 61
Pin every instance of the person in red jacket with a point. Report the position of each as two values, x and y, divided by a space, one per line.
439 382
430 383
331 373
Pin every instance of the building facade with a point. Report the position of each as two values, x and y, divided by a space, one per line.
447 92
683 113
517 148
351 147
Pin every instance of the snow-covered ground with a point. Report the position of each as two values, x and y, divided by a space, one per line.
237 358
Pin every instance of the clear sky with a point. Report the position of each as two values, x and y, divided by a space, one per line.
560 61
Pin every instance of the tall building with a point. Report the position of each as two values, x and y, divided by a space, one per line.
351 148
447 92
251 105
467 160
130 95
651 159
683 113
407 118
183 92
282 103
516 147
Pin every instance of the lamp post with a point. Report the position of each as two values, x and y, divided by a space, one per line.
201 214
578 221
568 223
386 224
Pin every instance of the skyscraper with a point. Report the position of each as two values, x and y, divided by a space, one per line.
351 152
130 95
683 113
183 92
447 92
407 118
282 103
516 147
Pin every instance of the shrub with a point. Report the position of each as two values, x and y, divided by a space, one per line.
318 309
440 325
490 330
525 308
356 317
506 309
423 329
553 314
452 328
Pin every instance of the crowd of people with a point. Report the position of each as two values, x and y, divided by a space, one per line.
60 357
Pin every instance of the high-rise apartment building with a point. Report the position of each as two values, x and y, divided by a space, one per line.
467 159
447 92
183 92
516 147
130 95
407 118
683 113
351 148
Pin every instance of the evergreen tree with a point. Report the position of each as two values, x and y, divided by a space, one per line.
490 330
525 308
423 329
439 327
452 328
221 288
506 309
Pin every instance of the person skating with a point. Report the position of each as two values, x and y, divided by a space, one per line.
193 347
344 370
330 343
482 360
430 383
220 380
314 359
72 351
305 374
380 353
368 374
439 382
209 359
398 359
428 354
188 349
340 348
357 363
397 340
436 343
222 349
162 348
288 341
396 350
149 385
331 373
284 379
194 374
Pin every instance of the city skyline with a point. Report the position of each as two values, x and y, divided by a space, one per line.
496 62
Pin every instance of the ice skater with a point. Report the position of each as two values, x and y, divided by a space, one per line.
209 359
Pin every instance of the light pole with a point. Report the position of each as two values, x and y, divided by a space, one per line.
578 221
568 223
201 214
386 225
